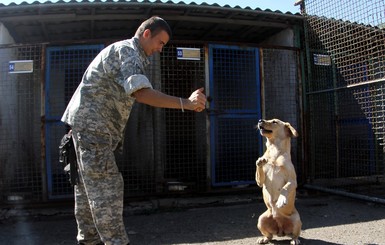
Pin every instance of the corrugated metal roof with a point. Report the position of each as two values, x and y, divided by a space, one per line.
90 20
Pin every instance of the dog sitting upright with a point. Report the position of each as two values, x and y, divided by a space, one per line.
275 173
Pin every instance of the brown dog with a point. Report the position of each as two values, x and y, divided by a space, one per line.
275 173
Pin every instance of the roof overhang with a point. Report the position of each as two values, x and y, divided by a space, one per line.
94 20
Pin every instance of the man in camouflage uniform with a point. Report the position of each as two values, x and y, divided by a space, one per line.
98 113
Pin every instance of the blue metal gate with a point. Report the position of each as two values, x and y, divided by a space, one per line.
64 69
234 112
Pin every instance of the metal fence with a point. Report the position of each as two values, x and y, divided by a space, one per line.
161 149
21 175
64 68
345 101
281 98
167 149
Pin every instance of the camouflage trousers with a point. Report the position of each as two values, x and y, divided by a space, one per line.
99 194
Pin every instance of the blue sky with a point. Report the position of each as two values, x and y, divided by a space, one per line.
282 5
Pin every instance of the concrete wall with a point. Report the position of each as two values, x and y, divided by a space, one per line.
284 38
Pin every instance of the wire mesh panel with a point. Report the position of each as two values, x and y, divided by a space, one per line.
280 74
237 146
165 149
234 112
137 161
185 158
20 149
346 76
65 68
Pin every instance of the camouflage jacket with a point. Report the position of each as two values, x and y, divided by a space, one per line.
103 100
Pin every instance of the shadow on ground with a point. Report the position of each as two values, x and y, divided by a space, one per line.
327 220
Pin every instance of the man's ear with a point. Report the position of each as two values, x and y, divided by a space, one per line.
147 33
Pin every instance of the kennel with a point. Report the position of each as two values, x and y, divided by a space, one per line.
344 97
171 152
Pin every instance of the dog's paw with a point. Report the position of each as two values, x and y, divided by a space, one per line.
263 240
261 161
295 241
282 201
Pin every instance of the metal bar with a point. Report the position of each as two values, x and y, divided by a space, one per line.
70 17
347 86
345 193
43 164
366 83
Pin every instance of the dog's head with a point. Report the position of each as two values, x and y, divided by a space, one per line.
275 128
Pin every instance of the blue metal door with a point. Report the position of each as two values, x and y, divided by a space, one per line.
234 111
65 66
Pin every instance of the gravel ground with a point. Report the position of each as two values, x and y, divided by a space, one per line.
326 219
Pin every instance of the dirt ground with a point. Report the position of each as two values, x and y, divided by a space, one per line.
327 219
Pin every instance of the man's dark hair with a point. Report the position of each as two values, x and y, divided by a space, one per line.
155 24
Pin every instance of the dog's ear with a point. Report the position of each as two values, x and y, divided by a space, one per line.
291 131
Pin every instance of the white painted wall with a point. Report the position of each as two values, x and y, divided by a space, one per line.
5 37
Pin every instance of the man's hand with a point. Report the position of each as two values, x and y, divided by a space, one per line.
152 97
197 100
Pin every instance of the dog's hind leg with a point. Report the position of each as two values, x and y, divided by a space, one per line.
267 226
295 242
297 225
263 240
